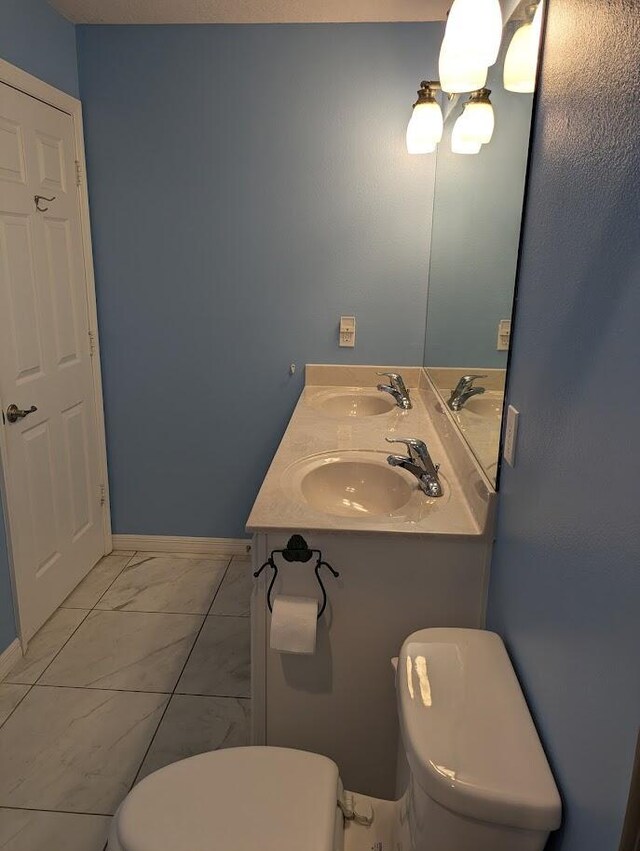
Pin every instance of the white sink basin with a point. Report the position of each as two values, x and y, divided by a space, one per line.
354 403
484 406
352 484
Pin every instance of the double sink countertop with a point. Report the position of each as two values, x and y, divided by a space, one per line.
357 491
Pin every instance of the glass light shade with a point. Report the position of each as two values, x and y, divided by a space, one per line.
475 27
461 142
425 128
480 121
521 62
460 71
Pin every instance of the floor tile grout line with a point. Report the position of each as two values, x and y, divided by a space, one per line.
29 687
115 580
220 615
135 691
206 614
52 660
220 584
63 812
172 693
218 696
182 670
101 688
90 608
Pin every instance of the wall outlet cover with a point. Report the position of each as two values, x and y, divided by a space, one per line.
347 335
504 335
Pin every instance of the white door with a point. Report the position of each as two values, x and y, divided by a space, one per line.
52 475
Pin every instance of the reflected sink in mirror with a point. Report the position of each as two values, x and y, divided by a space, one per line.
358 483
480 421
353 403
489 405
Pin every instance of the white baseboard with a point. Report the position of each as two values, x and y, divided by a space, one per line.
9 658
175 544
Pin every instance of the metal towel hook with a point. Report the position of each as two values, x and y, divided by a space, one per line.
38 198
297 550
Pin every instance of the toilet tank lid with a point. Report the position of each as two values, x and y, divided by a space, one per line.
271 799
467 731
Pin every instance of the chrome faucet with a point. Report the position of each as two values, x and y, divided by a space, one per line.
463 391
418 461
396 388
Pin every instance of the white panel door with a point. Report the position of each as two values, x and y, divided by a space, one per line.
53 469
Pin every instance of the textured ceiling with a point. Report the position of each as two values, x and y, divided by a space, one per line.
248 11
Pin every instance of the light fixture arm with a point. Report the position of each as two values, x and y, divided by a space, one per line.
427 90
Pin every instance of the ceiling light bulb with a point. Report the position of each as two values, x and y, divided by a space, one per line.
460 70
521 62
480 119
426 124
475 27
461 142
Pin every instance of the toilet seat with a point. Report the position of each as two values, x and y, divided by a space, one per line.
241 799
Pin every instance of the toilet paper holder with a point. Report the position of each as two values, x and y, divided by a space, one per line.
297 550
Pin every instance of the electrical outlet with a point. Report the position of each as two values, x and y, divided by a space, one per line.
347 335
504 335
511 436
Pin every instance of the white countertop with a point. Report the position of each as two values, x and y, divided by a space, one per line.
278 507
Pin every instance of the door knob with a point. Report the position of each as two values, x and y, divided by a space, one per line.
14 413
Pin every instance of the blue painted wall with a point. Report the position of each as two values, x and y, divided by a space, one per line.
565 587
476 232
248 185
35 38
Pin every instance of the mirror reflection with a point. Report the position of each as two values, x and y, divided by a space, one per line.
479 192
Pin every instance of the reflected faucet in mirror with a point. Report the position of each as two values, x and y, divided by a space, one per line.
463 391
417 462
397 389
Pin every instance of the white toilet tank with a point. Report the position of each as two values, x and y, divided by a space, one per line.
478 778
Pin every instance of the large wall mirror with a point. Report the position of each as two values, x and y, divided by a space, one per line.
477 215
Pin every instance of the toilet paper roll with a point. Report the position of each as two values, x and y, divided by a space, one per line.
293 624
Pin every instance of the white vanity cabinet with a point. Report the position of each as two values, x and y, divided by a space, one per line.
399 572
341 701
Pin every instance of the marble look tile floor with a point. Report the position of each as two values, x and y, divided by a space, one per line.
145 663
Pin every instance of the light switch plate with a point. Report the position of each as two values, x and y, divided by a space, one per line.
347 336
504 335
511 436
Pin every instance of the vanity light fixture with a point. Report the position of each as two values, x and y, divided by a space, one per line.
480 120
521 62
459 71
426 124
471 44
461 140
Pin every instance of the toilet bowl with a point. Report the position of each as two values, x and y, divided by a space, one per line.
472 774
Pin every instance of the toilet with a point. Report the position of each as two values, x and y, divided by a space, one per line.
472 774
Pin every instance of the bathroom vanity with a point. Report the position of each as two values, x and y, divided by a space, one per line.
405 560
